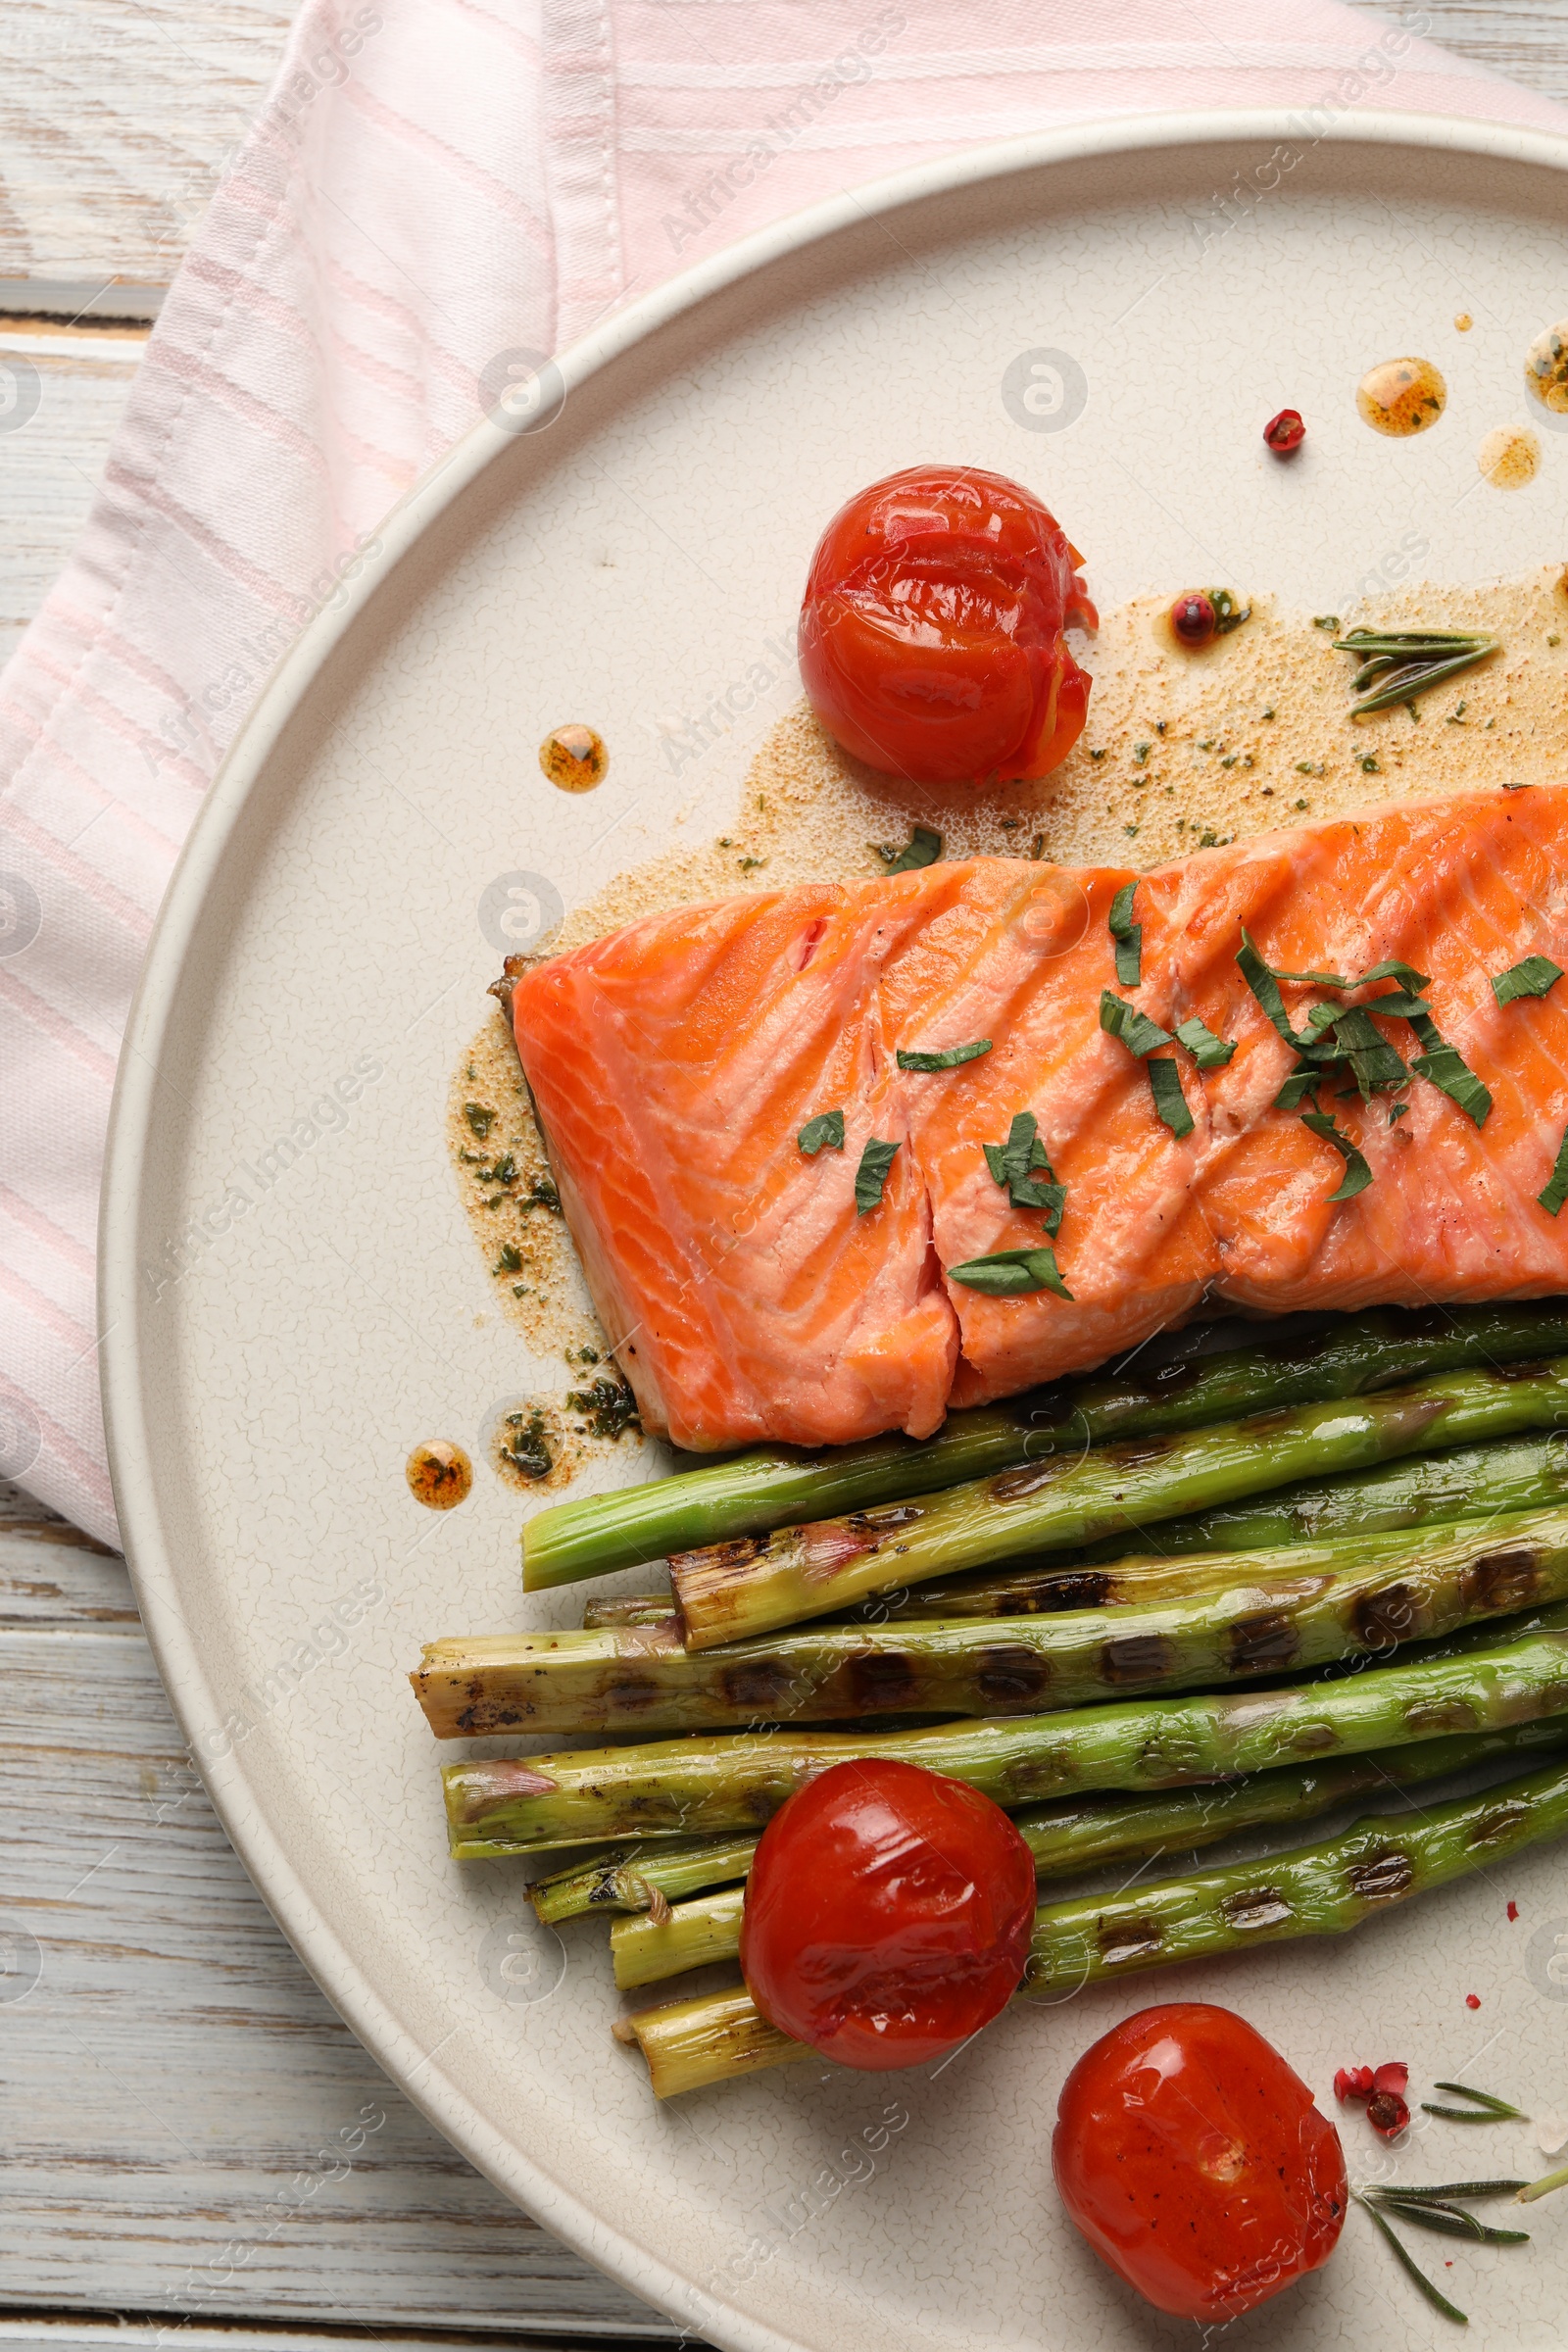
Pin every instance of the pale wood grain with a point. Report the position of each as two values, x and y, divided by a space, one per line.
1525 38
116 119
173 2073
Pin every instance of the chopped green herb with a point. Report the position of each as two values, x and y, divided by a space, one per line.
1269 713
1141 751
1128 936
1556 1191
1532 978
1309 767
1263 982
1357 1175
872 1174
953 1060
824 1133
1228 614
1136 1032
1299 803
1209 841
1368 766
510 1262
525 1447
1456 715
1514 787
1374 1064
1325 620
1038 848
1170 1103
609 1407
479 1119
924 848
1018 1163
1443 1066
1011 1273
1097 755
1303 1081
1211 1052
748 865
542 1194
1230 758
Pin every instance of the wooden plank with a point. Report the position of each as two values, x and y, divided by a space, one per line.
45 2332
116 122
48 2332
189 2127
1527 39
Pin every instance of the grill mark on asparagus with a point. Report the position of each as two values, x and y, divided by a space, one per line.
878 1678
1256 1907
1500 1822
1441 1715
1125 1941
1381 1878
756 1687
1265 1642
1010 1676
1138 1658
1382 1619
1501 1580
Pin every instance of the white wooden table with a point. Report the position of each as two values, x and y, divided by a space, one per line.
168 2071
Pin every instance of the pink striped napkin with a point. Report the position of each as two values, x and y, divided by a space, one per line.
430 183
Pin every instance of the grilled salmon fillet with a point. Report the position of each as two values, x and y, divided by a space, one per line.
674 1065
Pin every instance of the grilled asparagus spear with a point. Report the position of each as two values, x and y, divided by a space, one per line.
754 1493
1321 1889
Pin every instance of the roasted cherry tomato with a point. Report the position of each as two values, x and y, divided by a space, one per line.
931 634
888 1914
1194 2161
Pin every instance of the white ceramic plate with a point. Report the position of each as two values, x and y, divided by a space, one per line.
268 1369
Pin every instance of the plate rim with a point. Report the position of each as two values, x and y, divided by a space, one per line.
130 1441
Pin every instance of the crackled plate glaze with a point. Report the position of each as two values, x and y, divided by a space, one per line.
1083 311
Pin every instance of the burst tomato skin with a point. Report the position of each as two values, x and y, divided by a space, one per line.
1192 2159
888 1914
931 637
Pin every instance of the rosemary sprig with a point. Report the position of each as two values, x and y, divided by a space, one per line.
1484 2110
1410 2265
1447 2221
1451 2191
1396 664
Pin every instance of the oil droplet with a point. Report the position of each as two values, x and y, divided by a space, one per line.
1546 368
1510 457
1464 323
440 1475
1401 397
575 758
